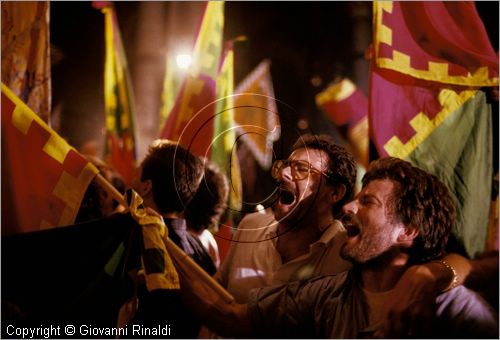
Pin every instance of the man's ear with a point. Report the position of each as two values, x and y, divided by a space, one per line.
338 192
407 234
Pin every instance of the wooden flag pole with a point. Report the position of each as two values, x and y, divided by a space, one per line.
177 253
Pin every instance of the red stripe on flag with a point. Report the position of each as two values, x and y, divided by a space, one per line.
74 163
34 193
223 238
34 173
409 96
348 111
194 131
7 108
120 156
433 32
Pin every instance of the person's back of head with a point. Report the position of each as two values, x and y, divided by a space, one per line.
341 165
210 201
420 200
175 174
97 202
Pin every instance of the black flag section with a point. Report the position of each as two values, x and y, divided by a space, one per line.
72 275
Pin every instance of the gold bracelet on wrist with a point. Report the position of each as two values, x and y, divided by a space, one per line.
454 281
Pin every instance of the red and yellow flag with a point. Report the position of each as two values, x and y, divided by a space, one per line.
43 178
256 114
438 41
430 60
347 107
118 98
191 120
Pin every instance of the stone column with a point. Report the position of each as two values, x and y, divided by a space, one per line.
147 67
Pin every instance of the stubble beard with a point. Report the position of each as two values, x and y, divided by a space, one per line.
366 249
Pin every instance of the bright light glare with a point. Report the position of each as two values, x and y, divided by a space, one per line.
183 61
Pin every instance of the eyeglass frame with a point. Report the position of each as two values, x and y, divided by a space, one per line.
280 164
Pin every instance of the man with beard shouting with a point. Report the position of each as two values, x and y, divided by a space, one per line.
402 216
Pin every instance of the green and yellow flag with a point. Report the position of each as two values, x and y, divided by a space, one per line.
171 85
120 134
430 60
224 140
190 121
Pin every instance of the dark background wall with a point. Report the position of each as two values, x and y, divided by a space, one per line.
304 41
308 43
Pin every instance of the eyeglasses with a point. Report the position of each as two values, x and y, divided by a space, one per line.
299 169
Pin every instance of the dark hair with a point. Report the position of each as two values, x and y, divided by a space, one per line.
175 174
420 200
210 201
97 202
341 164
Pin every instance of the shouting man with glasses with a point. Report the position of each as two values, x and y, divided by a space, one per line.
301 238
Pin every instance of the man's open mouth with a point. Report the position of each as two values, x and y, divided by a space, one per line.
352 230
286 196
350 225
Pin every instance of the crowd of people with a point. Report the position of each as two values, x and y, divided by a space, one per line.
322 260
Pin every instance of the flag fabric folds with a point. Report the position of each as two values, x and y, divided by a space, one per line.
118 98
90 273
43 178
425 104
171 85
437 41
347 107
159 268
256 114
190 121
74 275
224 147
26 53
224 140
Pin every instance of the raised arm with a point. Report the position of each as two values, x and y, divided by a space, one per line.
412 302
483 276
228 319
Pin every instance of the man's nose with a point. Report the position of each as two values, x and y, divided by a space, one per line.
286 173
351 207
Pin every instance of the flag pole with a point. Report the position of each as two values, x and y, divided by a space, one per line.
177 253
